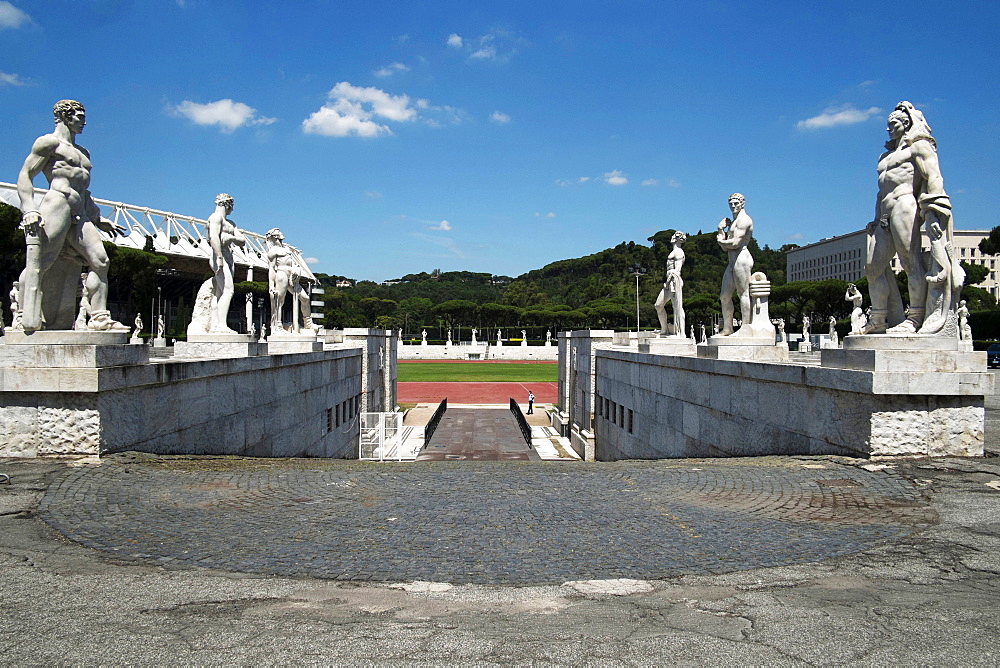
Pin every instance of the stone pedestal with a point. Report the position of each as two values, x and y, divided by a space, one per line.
160 342
668 345
805 346
136 341
42 352
284 344
211 346
743 349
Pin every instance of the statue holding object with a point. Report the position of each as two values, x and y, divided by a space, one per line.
734 237
284 276
673 288
63 233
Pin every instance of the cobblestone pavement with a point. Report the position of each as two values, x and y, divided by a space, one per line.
480 522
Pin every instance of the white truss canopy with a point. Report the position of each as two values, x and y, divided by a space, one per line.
171 233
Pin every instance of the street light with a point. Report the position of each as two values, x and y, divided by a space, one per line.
636 271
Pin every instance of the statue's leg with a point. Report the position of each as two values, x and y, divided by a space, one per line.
86 240
881 281
679 319
904 224
661 311
726 301
741 277
43 248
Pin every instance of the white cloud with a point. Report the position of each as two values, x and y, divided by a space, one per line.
226 113
443 226
499 117
650 182
455 41
550 214
846 114
311 260
487 52
11 16
11 80
498 45
615 178
391 69
351 109
673 183
445 242
866 84
563 182
583 179
796 237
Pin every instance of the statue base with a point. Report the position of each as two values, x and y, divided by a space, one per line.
904 354
805 347
222 344
61 337
136 341
160 342
743 349
285 343
669 345
67 349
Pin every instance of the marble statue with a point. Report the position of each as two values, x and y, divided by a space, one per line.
673 288
964 330
251 330
84 310
701 333
833 330
911 194
62 234
423 335
214 297
692 331
805 327
474 332
161 329
400 330
248 303
284 276
524 335
15 309
499 340
715 328
548 335
858 320
734 237
779 323
449 338
138 329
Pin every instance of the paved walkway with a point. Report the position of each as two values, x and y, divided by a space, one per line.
480 522
486 434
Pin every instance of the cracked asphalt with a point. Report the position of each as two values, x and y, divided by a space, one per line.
920 587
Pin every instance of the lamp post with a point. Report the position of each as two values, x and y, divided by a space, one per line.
636 271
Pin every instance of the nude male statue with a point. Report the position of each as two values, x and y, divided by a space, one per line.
734 237
911 192
62 233
283 276
673 287
222 236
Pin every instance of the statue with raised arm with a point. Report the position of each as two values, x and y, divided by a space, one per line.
673 288
910 195
284 276
858 320
734 237
63 233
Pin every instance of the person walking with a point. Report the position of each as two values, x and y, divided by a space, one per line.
531 402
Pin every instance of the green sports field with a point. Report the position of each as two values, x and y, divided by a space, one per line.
452 372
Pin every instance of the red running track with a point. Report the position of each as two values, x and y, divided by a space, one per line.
476 393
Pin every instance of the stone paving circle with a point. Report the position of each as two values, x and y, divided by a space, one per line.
480 522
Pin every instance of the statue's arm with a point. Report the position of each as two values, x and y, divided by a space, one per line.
41 152
215 239
739 234
926 160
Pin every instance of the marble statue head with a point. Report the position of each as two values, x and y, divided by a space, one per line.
737 202
678 238
274 234
224 199
907 123
70 113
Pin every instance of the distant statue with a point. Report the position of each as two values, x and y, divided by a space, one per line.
222 236
423 336
15 309
63 233
161 328
548 335
524 334
499 340
400 330
702 338
734 236
833 330
251 330
805 327
779 324
449 338
857 315
964 330
673 288
285 276
692 332
84 311
138 323
474 332
911 194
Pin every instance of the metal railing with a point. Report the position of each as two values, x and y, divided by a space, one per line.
170 233
522 422
432 424
381 437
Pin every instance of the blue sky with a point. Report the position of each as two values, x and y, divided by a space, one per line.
386 138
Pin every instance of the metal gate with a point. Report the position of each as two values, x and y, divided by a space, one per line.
381 437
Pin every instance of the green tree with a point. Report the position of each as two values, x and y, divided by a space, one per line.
456 311
975 273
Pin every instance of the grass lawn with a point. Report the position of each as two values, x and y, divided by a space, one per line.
449 372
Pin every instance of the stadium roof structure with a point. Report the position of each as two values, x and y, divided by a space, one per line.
170 233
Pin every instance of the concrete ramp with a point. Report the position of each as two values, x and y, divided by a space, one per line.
483 434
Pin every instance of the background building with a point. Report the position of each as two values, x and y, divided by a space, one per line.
843 258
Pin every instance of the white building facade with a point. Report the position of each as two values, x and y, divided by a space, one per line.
843 258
